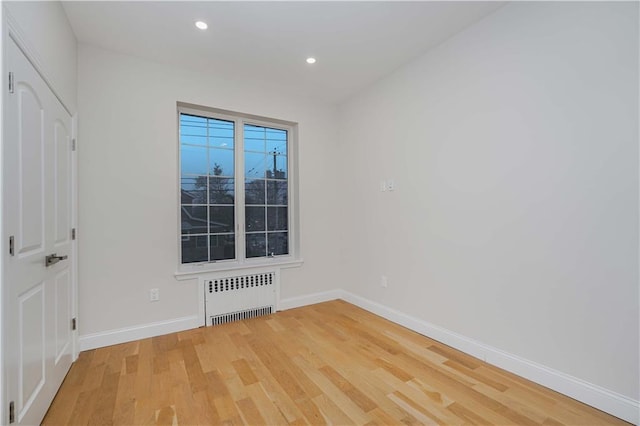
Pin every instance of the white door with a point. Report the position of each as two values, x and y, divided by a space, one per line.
37 224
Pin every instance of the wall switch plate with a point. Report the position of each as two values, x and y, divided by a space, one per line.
154 294
383 281
383 186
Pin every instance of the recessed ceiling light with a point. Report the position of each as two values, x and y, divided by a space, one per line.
201 25
311 60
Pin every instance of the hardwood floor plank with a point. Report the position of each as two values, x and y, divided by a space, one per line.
145 413
269 410
331 411
131 364
62 408
381 417
475 375
125 400
244 371
467 415
454 355
79 372
83 409
217 384
330 363
250 412
533 414
418 350
166 416
145 369
342 401
197 378
199 407
359 398
227 410
420 413
94 376
398 372
311 412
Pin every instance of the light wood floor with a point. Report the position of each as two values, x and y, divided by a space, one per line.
328 363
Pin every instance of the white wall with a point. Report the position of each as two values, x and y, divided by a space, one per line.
47 32
514 149
128 187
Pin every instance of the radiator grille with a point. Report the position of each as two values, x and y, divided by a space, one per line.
237 283
238 297
242 315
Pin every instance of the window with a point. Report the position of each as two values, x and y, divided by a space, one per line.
235 187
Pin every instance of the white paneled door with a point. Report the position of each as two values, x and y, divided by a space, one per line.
37 219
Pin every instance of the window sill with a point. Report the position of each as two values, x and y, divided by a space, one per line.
209 269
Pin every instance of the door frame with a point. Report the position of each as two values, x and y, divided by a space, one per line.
12 32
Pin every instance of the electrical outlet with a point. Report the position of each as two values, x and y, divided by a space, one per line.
154 294
383 281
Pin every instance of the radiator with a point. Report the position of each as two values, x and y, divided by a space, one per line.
240 297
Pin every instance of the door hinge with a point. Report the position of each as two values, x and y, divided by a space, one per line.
74 324
10 82
73 144
12 412
73 233
11 246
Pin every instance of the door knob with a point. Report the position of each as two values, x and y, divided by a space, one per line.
52 259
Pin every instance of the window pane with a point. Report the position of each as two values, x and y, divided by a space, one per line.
256 245
221 133
254 218
221 219
193 139
193 130
193 190
222 247
194 248
192 120
194 220
220 142
254 145
276 167
277 134
254 191
254 138
193 160
277 141
254 165
278 243
221 162
277 192
277 219
221 190
281 167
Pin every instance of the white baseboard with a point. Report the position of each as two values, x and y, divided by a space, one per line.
596 396
309 299
127 334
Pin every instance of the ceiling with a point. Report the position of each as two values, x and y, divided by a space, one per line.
355 43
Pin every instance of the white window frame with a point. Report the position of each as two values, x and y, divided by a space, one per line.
185 270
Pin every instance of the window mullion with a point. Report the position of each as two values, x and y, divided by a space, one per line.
266 216
240 210
208 195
